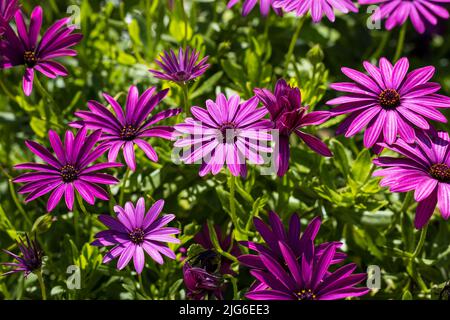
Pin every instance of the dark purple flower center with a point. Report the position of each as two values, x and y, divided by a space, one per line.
227 133
306 294
182 75
128 133
30 58
69 173
137 236
389 99
441 172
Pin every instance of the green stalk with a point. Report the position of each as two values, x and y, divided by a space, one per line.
400 42
292 45
423 235
124 183
41 284
233 215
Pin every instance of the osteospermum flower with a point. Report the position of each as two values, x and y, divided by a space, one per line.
275 232
31 259
24 48
226 132
131 126
134 232
182 68
70 170
317 8
420 12
306 278
247 7
8 9
289 116
425 169
201 283
389 101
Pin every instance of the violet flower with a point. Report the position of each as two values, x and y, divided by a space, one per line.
30 261
134 232
201 283
425 168
289 116
131 126
317 8
24 48
182 68
8 9
247 7
70 170
226 132
389 101
307 278
420 12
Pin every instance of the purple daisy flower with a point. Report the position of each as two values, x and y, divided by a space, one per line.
420 12
318 8
25 49
182 68
31 259
227 132
306 278
275 232
425 168
200 283
388 102
248 6
226 242
8 9
134 232
70 170
126 129
288 116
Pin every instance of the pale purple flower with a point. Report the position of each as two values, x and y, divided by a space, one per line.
24 48
420 12
289 116
182 68
226 132
201 283
31 259
131 126
247 7
135 232
317 8
70 170
388 102
424 169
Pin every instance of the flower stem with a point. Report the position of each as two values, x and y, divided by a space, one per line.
185 89
400 42
124 184
423 235
292 45
232 185
41 284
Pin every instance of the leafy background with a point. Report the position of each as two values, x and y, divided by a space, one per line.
121 41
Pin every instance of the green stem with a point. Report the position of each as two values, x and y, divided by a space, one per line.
400 42
292 45
41 284
381 46
423 235
232 185
17 202
124 184
5 88
406 202
185 99
185 19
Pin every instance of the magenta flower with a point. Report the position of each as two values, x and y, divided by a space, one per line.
126 129
389 101
31 259
420 12
306 278
318 8
274 233
182 68
25 49
248 6
201 283
289 116
8 9
425 169
227 132
70 170
134 232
